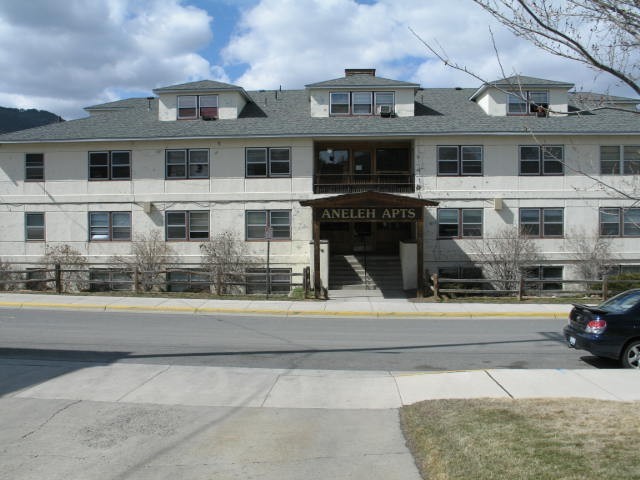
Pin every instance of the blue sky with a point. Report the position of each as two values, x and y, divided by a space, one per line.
63 55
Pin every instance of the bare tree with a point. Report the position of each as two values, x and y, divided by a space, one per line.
592 253
225 258
72 264
603 34
505 256
151 256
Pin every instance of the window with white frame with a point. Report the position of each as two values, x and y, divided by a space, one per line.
187 163
619 222
541 160
187 225
459 222
110 165
455 160
34 226
34 167
268 162
197 106
268 224
620 159
361 103
542 222
109 226
528 102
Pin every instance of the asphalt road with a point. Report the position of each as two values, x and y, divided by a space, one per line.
301 342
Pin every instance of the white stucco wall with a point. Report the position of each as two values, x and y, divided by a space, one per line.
230 104
319 101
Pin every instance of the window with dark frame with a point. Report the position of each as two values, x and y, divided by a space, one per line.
459 222
34 167
541 160
619 222
110 165
542 222
105 280
460 160
187 225
620 159
34 226
191 107
259 222
109 226
181 164
280 280
268 162
550 276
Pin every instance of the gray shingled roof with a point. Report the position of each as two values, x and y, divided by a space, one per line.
201 85
439 111
529 82
362 80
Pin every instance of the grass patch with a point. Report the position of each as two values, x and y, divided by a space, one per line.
568 439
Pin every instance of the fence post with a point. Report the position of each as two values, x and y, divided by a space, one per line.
58 278
605 287
436 285
306 281
136 280
520 288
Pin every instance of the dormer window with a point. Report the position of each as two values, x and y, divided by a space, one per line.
528 103
361 103
197 106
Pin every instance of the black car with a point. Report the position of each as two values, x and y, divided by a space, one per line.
610 330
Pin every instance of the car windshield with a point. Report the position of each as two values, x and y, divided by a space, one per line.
621 303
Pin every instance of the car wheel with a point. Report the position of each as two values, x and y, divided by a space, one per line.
631 355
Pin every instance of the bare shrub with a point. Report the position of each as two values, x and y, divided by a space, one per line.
72 263
592 253
151 256
225 259
505 256
7 275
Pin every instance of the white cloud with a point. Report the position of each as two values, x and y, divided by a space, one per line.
293 42
62 55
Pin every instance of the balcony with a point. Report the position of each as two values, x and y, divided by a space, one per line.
359 182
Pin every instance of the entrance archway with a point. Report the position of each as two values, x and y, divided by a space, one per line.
369 208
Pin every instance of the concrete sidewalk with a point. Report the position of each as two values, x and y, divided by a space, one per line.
336 308
299 389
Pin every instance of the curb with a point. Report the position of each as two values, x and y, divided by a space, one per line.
287 313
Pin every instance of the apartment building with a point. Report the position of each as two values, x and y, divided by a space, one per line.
410 177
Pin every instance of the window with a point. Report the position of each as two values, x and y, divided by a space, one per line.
104 280
188 281
109 226
459 222
542 222
114 165
34 167
528 103
360 103
261 223
182 164
187 225
268 162
384 99
459 160
541 160
620 160
197 106
280 280
547 277
34 226
620 222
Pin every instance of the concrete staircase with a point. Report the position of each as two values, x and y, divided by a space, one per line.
370 276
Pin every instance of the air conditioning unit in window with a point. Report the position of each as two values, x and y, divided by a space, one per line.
386 110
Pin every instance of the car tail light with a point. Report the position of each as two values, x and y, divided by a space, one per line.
596 326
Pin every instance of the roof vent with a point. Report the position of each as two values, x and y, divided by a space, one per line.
359 71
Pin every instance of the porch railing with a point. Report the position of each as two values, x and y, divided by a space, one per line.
361 182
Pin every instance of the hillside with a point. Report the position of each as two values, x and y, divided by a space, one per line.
12 119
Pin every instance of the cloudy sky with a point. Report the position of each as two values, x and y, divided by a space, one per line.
63 55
